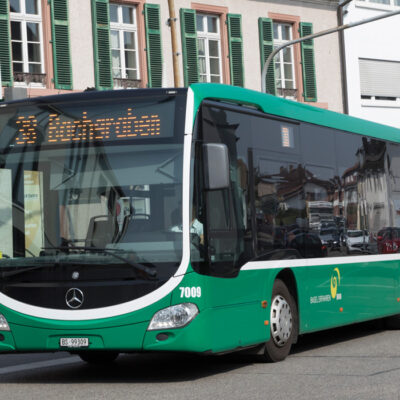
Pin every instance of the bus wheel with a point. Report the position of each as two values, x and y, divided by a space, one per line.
98 357
283 323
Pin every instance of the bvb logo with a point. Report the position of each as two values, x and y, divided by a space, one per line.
335 282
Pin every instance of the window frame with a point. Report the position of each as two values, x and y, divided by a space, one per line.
278 42
121 28
24 18
376 100
378 6
294 21
222 13
141 38
207 37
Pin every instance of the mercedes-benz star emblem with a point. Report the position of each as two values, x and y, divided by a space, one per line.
74 298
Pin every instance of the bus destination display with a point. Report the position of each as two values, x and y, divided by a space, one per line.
65 124
63 129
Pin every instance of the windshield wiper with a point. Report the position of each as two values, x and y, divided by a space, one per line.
7 274
43 261
149 272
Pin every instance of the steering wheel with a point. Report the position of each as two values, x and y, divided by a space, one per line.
195 242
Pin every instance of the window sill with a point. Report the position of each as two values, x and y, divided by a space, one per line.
24 79
381 103
120 83
290 94
29 85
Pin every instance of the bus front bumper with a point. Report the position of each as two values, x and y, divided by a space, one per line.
127 338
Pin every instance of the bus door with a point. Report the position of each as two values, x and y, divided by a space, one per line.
233 297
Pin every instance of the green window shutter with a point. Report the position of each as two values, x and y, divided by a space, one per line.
153 44
61 48
266 33
5 45
189 46
101 44
235 49
307 60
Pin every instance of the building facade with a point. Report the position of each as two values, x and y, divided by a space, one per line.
56 46
373 61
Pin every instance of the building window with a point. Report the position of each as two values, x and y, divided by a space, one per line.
380 81
124 43
209 47
26 41
385 2
284 61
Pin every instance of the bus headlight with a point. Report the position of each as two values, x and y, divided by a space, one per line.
3 323
173 317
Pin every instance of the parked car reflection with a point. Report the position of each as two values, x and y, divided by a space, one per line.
330 238
309 245
388 240
356 241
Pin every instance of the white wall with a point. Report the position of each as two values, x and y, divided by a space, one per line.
377 40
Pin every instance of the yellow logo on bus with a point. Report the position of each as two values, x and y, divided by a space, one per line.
335 282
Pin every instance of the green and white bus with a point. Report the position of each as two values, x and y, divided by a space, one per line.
176 220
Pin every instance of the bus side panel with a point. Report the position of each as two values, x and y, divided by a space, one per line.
302 287
235 316
341 294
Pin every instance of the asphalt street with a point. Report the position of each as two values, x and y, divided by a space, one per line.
357 362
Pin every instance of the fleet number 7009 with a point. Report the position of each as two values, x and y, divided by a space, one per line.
194 291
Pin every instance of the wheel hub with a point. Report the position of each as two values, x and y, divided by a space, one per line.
281 320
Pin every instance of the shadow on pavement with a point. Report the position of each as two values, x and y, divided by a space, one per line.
178 367
337 335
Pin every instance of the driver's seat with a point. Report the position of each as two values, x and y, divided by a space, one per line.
102 231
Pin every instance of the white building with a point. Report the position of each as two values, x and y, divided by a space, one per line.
372 60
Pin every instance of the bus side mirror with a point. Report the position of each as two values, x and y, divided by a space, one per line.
216 166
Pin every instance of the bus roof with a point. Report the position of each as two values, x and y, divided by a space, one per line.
214 91
95 95
290 109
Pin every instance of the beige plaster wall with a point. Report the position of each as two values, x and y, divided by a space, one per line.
323 16
321 13
80 20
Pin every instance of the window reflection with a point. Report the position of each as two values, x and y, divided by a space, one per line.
301 190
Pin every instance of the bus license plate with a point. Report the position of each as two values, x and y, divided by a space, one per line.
74 342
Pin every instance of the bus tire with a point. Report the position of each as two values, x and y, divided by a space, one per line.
283 323
98 357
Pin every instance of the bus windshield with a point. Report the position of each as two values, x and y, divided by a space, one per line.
91 182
